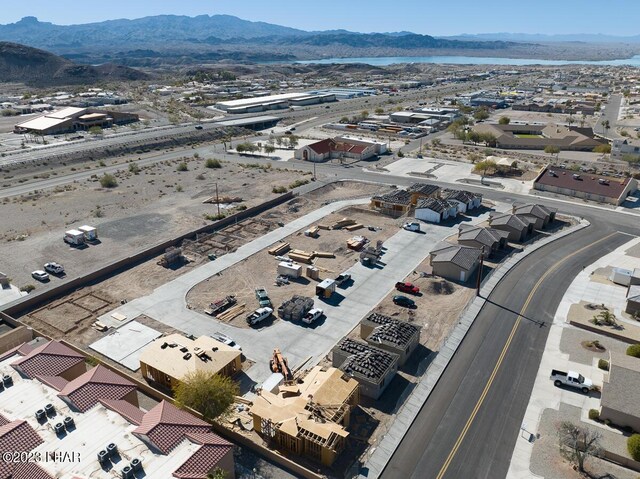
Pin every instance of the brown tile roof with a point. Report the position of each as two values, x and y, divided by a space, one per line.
127 410
586 183
3 420
165 425
98 383
213 449
16 436
56 382
29 470
50 359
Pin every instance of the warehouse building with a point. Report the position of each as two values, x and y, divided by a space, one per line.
373 368
274 102
73 119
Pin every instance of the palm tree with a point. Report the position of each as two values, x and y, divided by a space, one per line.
605 126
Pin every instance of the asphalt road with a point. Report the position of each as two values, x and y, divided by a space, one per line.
469 425
611 113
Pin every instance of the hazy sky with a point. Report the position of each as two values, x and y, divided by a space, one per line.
441 17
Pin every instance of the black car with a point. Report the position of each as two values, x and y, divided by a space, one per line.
404 301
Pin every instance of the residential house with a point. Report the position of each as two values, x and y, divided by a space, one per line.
435 210
373 368
308 418
422 191
633 299
389 334
542 215
489 240
394 204
454 262
465 200
518 228
621 392
625 147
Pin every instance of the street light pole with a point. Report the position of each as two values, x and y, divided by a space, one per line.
480 274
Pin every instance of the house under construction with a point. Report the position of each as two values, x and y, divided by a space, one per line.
392 335
308 418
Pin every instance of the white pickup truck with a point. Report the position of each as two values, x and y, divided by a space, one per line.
259 315
573 379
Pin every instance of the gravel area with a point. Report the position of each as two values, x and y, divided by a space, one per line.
571 340
545 457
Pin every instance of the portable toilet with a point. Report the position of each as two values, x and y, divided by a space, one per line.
90 233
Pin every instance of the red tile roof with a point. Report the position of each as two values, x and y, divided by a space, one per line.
127 410
50 359
16 436
56 382
323 147
98 383
3 420
29 470
11 352
166 426
202 461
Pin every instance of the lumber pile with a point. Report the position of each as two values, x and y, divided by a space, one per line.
356 243
323 254
342 223
301 256
280 249
312 232
231 313
357 226
324 227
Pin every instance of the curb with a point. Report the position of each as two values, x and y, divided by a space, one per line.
382 452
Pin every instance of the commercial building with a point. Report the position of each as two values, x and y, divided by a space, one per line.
538 137
588 186
389 334
454 262
73 119
345 93
373 368
168 359
309 418
93 427
274 102
621 392
340 147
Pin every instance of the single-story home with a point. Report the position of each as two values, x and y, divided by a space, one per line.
542 215
394 204
517 227
465 199
454 262
423 190
435 210
489 240
621 392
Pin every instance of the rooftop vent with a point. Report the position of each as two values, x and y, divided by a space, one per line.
69 423
136 464
7 380
50 410
41 415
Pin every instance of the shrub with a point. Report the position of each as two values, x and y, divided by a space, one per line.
212 163
179 188
634 350
108 181
279 189
215 217
297 183
242 207
28 288
603 364
633 446
594 414
183 167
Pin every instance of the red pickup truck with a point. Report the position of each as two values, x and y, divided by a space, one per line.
407 288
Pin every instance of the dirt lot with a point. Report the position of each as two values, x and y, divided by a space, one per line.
260 270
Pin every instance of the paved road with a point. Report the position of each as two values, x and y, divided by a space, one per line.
483 440
611 114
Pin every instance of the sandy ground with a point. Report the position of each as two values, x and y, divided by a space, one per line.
260 270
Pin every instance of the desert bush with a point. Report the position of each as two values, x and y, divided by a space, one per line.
603 364
634 350
108 181
594 414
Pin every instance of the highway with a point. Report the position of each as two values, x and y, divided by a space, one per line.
469 424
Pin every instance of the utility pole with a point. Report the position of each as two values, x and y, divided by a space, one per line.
479 282
314 171
217 199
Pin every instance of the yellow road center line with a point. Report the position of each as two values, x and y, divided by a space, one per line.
503 353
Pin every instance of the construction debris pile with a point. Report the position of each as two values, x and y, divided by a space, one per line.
295 308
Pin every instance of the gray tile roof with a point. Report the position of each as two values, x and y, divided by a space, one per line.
460 195
365 361
481 235
463 256
508 219
532 209
424 188
434 204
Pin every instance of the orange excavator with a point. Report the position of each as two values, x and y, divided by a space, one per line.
278 364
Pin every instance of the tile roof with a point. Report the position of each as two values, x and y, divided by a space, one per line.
460 195
434 204
424 188
586 183
399 197
3 420
515 222
56 382
127 410
485 236
462 256
16 436
98 383
206 458
165 425
50 359
532 209
323 147
27 470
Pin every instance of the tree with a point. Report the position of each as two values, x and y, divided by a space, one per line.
633 446
218 473
577 443
379 111
605 316
602 149
344 119
293 141
505 120
606 125
481 114
95 131
212 163
552 150
634 350
583 119
268 149
210 395
436 142
484 166
570 120
108 181
364 114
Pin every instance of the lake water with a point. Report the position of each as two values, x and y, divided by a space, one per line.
462 60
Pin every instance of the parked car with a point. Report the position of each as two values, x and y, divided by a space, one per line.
407 287
198 127
312 315
411 226
259 315
54 268
40 275
263 298
223 338
572 379
404 301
